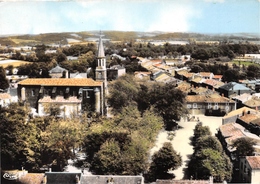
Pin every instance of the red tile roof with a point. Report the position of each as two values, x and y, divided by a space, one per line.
60 82
254 161
32 178
208 99
205 74
5 96
217 76
231 129
247 118
239 111
214 83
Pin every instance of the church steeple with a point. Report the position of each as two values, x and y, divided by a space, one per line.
101 70
101 53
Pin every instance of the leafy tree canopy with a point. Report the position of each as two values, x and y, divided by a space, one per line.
209 162
199 132
244 146
4 84
164 160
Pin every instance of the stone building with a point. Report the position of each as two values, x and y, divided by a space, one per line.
71 95
250 169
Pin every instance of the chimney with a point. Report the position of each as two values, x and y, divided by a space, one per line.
49 169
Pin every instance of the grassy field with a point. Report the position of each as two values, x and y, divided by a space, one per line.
246 63
15 63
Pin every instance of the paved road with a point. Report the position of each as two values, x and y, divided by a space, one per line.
181 140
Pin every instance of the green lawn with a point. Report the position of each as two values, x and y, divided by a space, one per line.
246 63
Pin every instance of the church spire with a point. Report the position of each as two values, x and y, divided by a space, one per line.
101 53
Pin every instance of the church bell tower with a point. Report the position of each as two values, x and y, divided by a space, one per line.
101 70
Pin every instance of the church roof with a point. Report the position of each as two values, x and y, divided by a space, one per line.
101 53
60 82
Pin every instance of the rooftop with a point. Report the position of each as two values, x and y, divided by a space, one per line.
234 86
100 179
239 112
32 178
5 96
57 69
254 161
208 99
60 82
247 118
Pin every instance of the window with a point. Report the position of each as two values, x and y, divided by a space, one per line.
209 106
189 106
216 106
33 92
195 105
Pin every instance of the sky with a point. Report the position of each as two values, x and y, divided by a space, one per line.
197 16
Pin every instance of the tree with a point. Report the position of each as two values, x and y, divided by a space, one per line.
244 146
19 139
168 102
201 53
199 132
253 71
164 160
108 159
123 93
4 84
61 57
208 141
59 138
209 162
231 75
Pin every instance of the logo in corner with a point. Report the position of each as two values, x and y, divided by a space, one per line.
10 176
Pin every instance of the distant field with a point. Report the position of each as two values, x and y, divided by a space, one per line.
19 41
246 63
15 63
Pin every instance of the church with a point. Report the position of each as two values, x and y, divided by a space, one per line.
71 95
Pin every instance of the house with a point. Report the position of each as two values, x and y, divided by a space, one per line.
209 104
72 58
115 71
211 84
140 75
32 178
233 115
80 178
5 99
252 84
233 88
253 103
241 99
59 72
249 171
230 132
184 75
71 95
251 122
217 77
111 179
62 177
206 75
